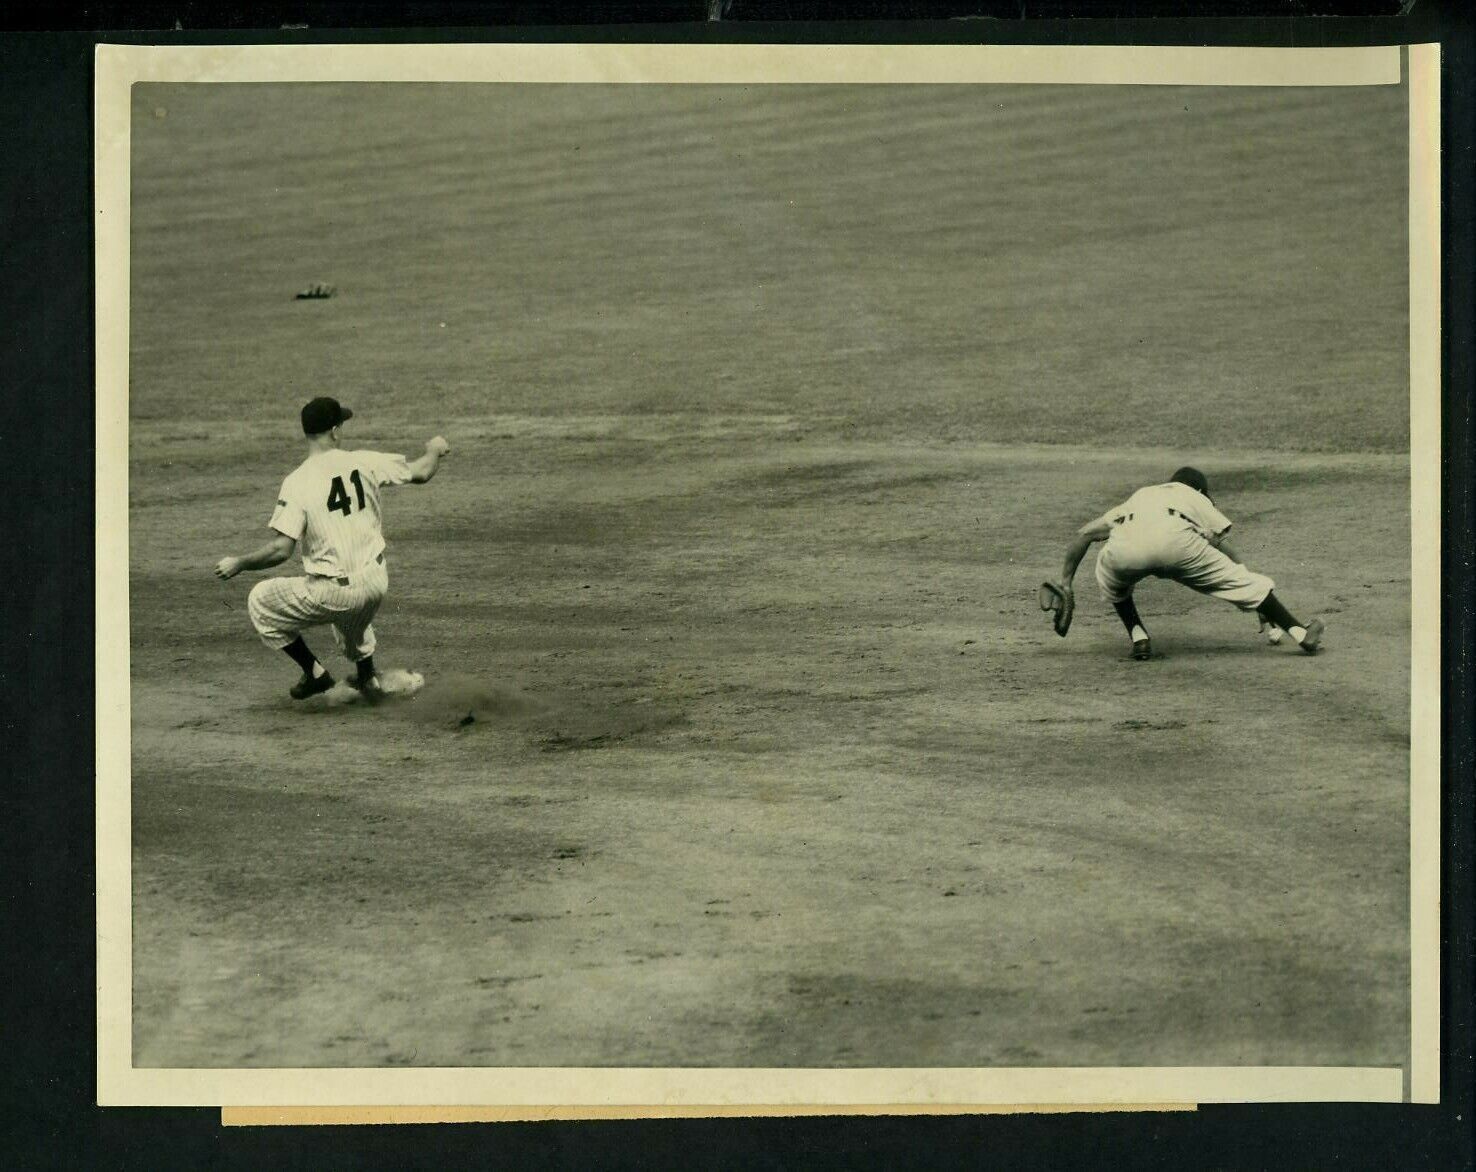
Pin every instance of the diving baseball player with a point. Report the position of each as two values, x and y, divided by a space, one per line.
1172 531
329 503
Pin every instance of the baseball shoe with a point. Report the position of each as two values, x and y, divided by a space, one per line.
1312 640
1142 649
310 686
371 689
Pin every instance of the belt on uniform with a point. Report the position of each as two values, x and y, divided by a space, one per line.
379 560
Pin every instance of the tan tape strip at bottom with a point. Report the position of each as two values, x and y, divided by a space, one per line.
340 1116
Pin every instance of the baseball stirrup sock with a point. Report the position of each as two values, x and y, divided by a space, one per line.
1127 611
1272 610
366 668
298 652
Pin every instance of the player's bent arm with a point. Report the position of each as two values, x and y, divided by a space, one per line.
422 469
1225 548
273 553
1086 537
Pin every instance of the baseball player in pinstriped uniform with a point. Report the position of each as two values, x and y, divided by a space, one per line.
1175 531
330 503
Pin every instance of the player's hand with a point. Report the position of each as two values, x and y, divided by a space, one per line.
227 568
438 445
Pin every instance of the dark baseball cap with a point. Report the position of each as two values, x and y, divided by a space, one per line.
1193 477
323 414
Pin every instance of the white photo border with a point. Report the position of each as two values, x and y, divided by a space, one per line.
632 1092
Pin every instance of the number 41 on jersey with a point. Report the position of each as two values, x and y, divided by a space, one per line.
338 497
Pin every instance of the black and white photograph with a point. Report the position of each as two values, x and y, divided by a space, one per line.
720 575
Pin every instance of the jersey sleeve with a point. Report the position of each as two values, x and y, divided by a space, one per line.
386 468
289 518
1215 521
1111 517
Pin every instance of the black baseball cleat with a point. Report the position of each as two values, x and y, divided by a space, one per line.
311 686
371 689
1312 640
1142 649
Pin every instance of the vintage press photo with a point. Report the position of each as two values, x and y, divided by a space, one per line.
666 476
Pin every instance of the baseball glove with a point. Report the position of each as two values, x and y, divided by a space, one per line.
1062 602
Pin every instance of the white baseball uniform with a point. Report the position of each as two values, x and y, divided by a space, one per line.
329 504
1164 531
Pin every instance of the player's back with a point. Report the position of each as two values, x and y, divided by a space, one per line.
332 501
1173 506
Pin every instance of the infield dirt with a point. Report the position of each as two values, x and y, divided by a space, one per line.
743 740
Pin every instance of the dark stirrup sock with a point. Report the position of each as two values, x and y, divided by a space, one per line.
1273 612
298 652
1127 611
366 668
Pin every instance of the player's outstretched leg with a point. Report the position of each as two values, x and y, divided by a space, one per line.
315 677
1308 638
353 631
1127 611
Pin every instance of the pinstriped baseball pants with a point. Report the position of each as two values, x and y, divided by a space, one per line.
282 608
